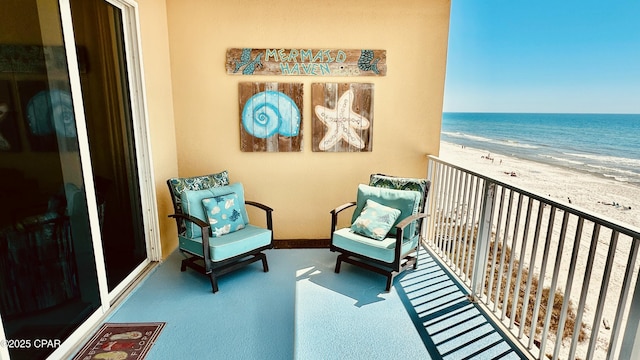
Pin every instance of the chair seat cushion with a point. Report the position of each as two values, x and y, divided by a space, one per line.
383 250
229 245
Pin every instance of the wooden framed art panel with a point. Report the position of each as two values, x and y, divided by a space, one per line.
342 117
306 62
270 116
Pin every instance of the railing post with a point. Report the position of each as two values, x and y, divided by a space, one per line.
427 223
630 348
483 240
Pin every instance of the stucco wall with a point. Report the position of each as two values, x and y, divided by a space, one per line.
304 186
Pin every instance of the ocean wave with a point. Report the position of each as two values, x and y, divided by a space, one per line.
510 143
564 160
608 159
607 169
466 136
619 178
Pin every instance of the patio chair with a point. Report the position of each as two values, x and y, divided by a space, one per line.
214 232
384 236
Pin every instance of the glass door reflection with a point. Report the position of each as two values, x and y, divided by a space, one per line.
48 277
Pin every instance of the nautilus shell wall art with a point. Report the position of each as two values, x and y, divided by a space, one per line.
342 117
270 117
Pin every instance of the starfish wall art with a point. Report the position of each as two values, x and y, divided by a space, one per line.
342 117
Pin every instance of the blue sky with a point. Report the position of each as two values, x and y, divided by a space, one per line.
567 56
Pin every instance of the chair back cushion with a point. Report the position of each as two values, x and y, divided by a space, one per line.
192 205
179 185
407 201
404 183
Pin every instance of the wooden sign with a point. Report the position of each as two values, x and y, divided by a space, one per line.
310 62
270 117
342 117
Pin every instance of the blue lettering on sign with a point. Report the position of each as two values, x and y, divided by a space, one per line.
324 68
293 55
283 56
305 69
327 54
318 56
271 53
284 69
306 55
304 61
308 68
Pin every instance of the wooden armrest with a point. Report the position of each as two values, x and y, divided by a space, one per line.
335 212
268 213
409 219
189 218
258 205
204 227
343 207
400 231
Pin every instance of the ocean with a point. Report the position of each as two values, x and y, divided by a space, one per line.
601 144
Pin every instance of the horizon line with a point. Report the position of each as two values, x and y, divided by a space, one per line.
542 112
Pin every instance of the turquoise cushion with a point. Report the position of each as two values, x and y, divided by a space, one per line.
223 214
403 183
179 185
375 220
230 245
192 205
383 250
407 201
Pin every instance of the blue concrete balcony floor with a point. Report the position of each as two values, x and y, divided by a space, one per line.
302 310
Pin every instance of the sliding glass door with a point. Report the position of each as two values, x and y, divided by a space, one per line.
99 37
48 274
72 215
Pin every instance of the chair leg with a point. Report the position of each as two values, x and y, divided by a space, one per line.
338 263
265 266
389 282
183 266
214 282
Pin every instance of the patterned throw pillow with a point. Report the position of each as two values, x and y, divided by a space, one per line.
404 200
375 220
224 214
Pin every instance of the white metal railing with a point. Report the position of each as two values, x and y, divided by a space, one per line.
520 253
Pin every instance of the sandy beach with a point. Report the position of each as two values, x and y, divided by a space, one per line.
602 196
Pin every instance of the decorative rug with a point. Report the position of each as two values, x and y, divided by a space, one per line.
121 341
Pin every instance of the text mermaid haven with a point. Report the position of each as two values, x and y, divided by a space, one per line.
292 55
